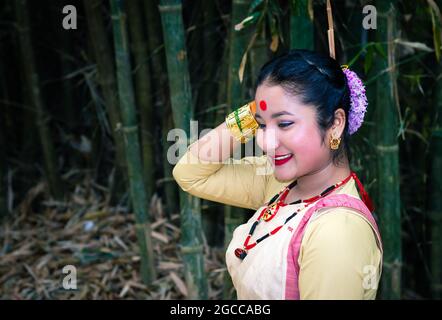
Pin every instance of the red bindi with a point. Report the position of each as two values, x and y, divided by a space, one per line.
263 105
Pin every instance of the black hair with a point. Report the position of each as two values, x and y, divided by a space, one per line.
317 80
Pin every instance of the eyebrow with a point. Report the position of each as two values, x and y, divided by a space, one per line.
276 115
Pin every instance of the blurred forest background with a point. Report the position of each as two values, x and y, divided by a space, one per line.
85 113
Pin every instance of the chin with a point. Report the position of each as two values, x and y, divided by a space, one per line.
284 176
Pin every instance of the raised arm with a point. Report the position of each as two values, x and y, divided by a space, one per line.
207 171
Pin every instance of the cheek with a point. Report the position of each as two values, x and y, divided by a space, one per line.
307 144
260 139
267 140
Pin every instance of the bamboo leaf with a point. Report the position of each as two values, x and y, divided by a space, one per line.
275 43
279 27
242 67
379 48
356 57
310 10
247 21
436 23
256 4
368 59
274 32
179 283
414 45
244 57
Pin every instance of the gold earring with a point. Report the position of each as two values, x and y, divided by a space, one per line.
334 143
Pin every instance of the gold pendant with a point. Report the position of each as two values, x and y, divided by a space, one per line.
270 212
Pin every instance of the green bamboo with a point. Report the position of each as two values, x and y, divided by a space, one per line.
210 58
258 56
159 85
41 115
108 83
3 197
387 126
219 116
171 192
143 93
222 85
156 51
3 129
29 135
363 151
238 41
70 112
301 27
435 194
130 132
180 94
3 170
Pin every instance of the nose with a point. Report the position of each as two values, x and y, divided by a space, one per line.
267 140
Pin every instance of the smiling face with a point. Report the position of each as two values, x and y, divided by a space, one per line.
289 134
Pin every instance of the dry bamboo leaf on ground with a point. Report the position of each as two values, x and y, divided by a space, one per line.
160 237
179 283
35 249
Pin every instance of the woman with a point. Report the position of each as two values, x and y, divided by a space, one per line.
311 236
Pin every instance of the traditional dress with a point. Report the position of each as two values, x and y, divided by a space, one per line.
338 254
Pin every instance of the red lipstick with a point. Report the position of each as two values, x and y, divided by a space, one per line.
280 162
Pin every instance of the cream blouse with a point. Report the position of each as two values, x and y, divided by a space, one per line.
339 256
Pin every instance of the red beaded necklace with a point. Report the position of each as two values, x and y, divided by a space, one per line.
272 208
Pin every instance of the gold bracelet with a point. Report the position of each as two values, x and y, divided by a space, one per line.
242 123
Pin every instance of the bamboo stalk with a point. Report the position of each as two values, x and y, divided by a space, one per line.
301 27
331 31
238 41
222 85
435 194
170 190
159 85
219 117
143 93
41 115
130 131
211 55
65 49
107 81
156 54
3 182
180 94
258 56
3 129
210 58
387 125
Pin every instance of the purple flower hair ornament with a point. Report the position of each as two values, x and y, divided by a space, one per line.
358 100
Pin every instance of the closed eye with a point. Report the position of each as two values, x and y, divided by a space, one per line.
281 125
284 124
